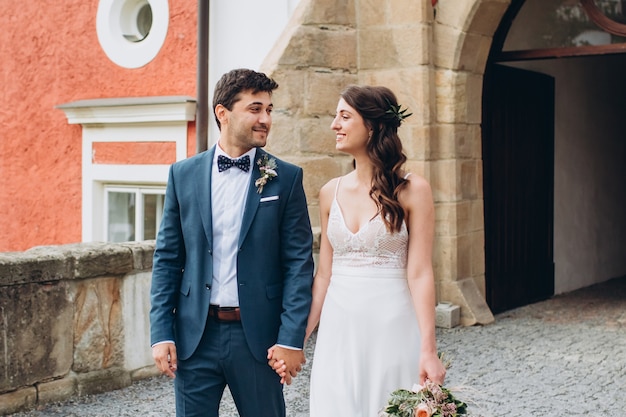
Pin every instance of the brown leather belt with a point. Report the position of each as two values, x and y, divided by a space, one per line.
225 313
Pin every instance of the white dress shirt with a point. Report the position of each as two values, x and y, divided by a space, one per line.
229 189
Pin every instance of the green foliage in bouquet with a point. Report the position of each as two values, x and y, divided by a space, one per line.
431 400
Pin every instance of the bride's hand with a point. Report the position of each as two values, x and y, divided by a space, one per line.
431 368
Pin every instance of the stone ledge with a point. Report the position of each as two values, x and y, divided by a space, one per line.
33 267
144 373
18 400
56 390
142 254
72 385
97 259
74 261
100 381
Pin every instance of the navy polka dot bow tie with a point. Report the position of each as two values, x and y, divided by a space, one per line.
223 163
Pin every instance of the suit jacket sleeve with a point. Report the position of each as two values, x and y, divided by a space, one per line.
296 250
167 269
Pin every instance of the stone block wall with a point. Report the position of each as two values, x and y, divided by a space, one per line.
434 62
73 321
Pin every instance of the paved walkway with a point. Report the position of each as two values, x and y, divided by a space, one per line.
561 357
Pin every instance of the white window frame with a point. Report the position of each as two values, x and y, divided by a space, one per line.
133 120
116 22
140 192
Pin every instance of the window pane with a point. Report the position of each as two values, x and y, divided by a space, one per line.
121 226
152 209
560 23
613 9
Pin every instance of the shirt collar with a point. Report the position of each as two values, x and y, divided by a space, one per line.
220 151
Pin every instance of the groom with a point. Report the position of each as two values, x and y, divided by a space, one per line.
233 268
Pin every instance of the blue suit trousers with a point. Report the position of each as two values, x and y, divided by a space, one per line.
223 358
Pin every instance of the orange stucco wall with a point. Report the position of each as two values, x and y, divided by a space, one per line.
49 54
137 153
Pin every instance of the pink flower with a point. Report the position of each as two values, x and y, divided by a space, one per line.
422 410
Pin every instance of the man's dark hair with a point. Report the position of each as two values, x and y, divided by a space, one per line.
237 81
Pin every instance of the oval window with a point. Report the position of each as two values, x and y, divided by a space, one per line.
132 32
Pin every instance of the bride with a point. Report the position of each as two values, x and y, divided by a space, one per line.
374 291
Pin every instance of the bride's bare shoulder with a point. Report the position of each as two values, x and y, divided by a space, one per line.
327 192
418 188
329 187
416 180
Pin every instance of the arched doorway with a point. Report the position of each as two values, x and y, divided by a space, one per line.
554 155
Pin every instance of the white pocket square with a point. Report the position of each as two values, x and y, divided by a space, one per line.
271 198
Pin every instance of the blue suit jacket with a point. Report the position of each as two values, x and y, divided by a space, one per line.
274 261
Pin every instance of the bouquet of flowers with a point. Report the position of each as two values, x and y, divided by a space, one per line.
430 400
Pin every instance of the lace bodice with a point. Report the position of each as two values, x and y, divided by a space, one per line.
372 246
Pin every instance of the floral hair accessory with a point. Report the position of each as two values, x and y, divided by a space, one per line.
397 112
268 171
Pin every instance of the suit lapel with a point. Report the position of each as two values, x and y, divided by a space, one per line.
203 193
252 199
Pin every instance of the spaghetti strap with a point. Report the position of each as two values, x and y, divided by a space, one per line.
405 177
337 186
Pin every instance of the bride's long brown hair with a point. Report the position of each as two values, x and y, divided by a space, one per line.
379 108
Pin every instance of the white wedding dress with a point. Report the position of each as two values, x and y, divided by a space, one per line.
368 340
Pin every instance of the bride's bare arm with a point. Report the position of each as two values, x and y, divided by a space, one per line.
324 266
418 203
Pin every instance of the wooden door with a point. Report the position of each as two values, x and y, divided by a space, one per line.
518 164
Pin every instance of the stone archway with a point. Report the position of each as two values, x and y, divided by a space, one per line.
462 36
435 65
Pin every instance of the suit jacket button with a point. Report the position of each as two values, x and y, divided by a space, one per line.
208 287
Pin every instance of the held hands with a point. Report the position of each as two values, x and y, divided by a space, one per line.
164 355
285 362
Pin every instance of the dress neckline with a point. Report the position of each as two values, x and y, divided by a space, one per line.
345 225
343 219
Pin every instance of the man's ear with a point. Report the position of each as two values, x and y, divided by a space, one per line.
221 113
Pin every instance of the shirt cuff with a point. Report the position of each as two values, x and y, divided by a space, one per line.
162 342
288 347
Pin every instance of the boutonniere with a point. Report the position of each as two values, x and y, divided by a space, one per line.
268 171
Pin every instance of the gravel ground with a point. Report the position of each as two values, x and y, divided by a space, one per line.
564 356
155 397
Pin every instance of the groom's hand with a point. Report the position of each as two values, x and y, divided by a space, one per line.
164 355
286 362
277 365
